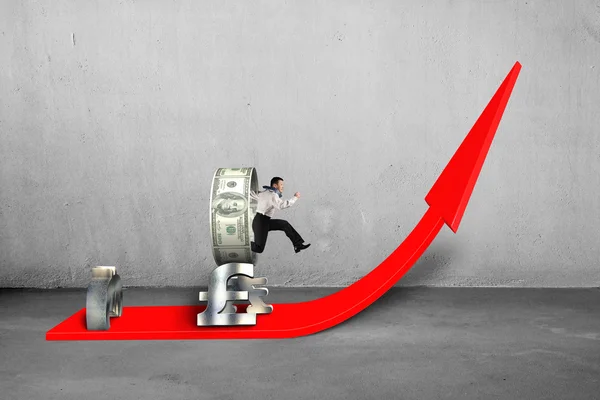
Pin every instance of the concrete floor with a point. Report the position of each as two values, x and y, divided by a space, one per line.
413 343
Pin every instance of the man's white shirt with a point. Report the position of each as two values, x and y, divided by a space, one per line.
269 201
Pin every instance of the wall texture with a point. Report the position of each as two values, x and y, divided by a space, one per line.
115 114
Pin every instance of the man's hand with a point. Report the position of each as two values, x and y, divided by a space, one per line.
297 195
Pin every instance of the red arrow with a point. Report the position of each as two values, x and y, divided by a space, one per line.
447 201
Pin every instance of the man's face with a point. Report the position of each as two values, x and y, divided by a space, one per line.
279 186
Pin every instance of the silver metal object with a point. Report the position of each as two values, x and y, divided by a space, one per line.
257 306
220 297
104 298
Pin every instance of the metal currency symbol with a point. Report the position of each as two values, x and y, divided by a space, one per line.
255 295
104 298
220 310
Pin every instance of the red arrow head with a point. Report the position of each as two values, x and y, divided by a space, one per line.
451 192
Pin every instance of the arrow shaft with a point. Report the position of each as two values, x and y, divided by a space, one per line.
371 287
286 320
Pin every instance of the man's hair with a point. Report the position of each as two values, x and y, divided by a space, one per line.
275 180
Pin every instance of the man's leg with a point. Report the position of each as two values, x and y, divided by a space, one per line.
260 226
283 225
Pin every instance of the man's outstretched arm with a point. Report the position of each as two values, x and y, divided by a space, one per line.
281 204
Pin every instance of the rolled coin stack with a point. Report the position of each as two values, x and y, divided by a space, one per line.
232 211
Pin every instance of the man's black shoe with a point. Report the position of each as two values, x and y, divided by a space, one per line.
301 247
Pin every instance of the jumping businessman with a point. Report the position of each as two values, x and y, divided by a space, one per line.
270 200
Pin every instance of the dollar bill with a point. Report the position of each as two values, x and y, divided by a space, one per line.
232 211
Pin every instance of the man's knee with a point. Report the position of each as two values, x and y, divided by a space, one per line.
279 225
257 248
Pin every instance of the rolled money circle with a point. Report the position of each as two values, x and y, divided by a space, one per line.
232 211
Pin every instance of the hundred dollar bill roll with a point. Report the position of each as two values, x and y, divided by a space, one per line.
232 211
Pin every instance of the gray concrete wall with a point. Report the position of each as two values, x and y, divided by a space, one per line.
115 114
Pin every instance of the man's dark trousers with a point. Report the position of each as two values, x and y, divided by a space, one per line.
263 224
